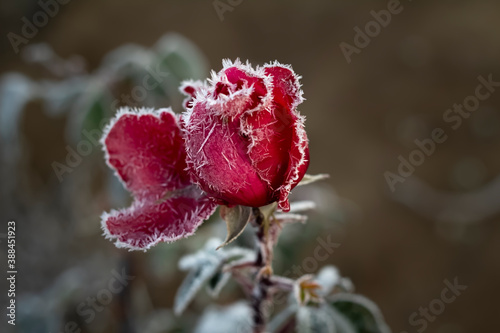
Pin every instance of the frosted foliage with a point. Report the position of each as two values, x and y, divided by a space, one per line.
235 318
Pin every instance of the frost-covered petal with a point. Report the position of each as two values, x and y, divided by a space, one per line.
286 85
147 223
242 79
218 160
236 90
297 164
271 134
191 89
146 149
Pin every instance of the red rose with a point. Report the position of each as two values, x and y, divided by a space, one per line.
245 140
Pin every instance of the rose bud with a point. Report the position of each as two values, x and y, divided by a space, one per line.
146 149
245 140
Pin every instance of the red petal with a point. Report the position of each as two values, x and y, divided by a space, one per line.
271 133
147 223
191 89
287 92
236 89
217 157
297 165
286 86
241 78
147 151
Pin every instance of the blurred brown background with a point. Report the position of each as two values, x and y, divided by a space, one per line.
360 117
